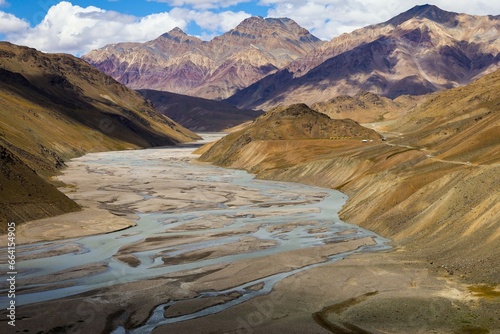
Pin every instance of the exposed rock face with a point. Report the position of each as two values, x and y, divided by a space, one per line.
56 107
179 63
420 51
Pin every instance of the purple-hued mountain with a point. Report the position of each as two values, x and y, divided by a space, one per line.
183 64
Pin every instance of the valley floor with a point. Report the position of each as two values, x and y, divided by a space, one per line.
380 292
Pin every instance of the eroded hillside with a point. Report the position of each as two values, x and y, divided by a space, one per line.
55 107
433 187
296 123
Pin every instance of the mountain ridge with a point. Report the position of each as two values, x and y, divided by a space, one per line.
417 56
196 113
433 182
213 69
266 62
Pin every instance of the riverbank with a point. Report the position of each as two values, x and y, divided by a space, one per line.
383 291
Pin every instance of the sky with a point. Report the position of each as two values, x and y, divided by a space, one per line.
78 26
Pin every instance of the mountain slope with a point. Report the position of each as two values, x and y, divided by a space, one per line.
198 114
24 195
293 123
366 107
434 189
420 51
54 107
179 63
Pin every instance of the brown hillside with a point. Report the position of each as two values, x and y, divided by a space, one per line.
366 107
26 196
461 124
54 107
434 189
294 123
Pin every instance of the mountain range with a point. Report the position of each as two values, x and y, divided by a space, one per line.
183 64
422 169
263 63
196 113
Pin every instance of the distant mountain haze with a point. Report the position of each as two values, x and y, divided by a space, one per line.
196 113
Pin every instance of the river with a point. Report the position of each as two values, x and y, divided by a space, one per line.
190 216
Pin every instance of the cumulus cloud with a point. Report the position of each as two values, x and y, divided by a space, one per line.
9 24
202 4
211 21
77 30
74 29
327 18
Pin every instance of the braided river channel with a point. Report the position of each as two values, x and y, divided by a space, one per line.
191 217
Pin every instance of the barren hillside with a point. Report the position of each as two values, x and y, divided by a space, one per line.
434 188
54 107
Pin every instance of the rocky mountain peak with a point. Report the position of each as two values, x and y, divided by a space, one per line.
261 27
178 35
177 32
429 12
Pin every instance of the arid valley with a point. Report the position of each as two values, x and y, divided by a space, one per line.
214 250
257 179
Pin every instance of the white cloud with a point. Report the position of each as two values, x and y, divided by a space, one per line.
202 4
73 29
212 22
326 19
77 30
9 24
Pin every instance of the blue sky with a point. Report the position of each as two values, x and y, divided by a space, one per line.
78 26
34 11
